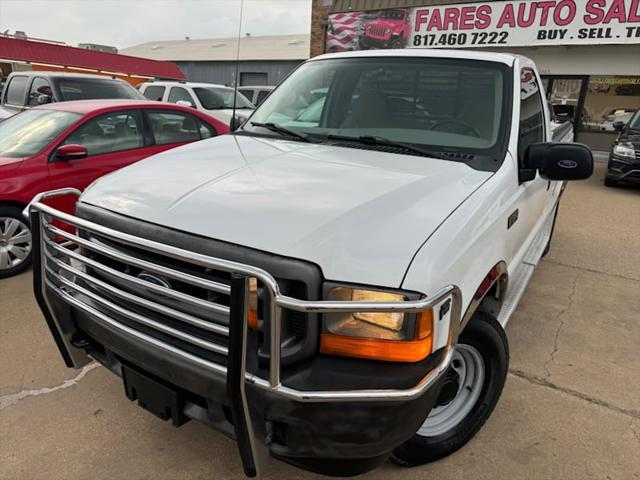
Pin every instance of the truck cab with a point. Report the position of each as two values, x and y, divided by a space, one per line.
330 292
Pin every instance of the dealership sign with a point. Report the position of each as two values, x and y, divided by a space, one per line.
489 24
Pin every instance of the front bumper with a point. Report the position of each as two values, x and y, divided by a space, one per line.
624 169
338 424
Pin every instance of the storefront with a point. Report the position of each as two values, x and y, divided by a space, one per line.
588 51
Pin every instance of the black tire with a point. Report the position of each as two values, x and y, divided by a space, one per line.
487 336
16 213
609 182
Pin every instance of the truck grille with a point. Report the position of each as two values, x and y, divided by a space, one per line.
182 308
377 31
177 302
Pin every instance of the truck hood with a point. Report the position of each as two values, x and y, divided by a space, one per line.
360 215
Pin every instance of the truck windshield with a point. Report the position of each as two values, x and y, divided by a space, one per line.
443 104
220 98
29 132
90 89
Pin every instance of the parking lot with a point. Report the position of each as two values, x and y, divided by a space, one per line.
570 408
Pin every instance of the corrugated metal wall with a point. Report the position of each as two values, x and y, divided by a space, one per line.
355 5
224 72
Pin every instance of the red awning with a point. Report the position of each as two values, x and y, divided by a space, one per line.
63 55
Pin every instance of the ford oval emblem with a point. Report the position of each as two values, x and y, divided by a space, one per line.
156 280
567 164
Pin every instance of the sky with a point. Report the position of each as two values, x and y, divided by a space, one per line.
124 23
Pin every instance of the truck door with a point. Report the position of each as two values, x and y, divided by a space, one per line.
15 93
533 197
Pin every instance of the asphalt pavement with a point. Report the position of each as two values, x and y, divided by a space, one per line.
570 408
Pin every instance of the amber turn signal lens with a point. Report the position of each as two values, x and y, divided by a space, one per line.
252 319
386 350
373 349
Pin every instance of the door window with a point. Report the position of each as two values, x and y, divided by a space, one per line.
109 133
154 92
179 93
178 127
39 86
531 112
16 90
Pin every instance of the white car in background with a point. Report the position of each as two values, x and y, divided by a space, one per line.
215 100
256 94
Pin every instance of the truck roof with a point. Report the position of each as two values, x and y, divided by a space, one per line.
506 58
39 73
165 83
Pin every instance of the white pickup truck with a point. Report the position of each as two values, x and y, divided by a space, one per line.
329 284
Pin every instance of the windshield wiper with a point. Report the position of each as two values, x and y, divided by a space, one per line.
274 127
375 140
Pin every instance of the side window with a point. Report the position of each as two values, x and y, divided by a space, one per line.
179 93
154 92
531 112
262 94
247 92
39 86
177 127
110 133
16 90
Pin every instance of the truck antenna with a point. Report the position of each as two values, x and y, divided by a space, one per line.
234 124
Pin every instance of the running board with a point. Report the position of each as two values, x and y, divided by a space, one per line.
520 279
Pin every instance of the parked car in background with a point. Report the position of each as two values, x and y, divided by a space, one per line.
25 90
216 100
620 117
256 94
71 144
624 157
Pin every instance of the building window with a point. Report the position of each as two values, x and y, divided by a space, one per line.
610 99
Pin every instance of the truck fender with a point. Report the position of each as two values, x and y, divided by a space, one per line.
497 277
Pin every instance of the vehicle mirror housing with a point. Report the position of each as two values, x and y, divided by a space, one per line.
185 103
618 126
43 99
72 151
560 161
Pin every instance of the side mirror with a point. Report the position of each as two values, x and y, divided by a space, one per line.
70 152
185 103
43 99
559 161
618 126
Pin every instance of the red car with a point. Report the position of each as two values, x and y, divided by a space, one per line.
70 144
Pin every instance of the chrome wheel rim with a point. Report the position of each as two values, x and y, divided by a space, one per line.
15 242
469 365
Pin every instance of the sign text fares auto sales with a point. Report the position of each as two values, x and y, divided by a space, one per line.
527 23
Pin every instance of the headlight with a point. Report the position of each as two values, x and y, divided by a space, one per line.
625 150
385 336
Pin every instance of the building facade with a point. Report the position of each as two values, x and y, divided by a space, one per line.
258 60
588 51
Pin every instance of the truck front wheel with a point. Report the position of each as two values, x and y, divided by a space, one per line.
471 389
